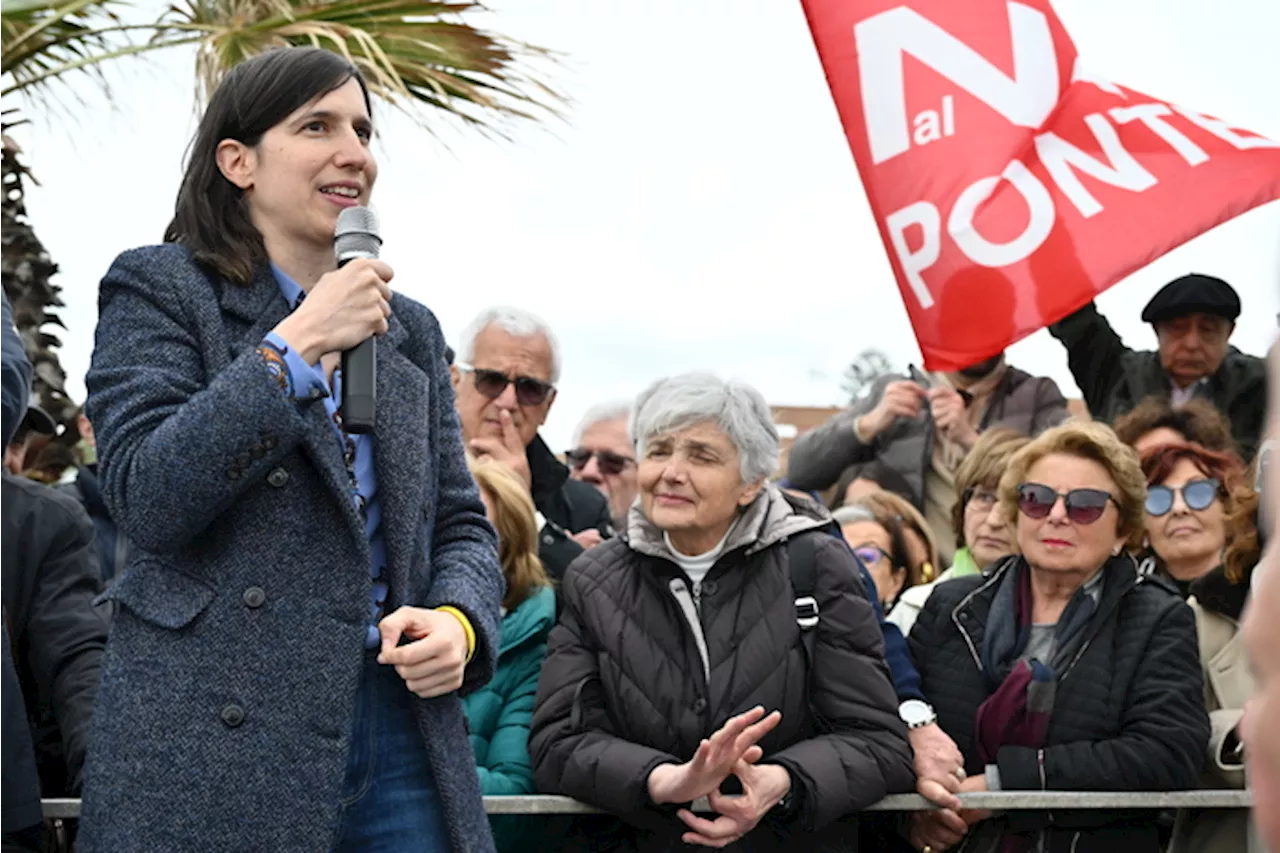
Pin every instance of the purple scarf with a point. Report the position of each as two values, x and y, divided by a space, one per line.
1021 693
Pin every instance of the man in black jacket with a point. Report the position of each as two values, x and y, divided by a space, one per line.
19 783
504 377
1193 317
50 578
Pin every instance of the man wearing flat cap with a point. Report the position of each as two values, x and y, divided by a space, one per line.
1193 317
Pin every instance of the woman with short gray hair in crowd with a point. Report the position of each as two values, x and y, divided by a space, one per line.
686 656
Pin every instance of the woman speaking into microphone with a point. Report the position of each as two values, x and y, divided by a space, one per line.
303 605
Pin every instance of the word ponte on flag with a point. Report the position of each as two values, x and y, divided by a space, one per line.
1009 186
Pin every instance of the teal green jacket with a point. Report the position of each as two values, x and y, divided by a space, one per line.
499 713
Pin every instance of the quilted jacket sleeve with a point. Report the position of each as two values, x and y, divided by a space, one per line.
572 742
1163 728
865 754
506 770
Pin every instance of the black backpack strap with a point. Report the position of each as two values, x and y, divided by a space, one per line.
803 565
804 582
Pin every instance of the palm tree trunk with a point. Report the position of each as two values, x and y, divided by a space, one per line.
27 270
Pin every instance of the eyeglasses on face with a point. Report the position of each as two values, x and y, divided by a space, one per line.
868 553
1084 506
491 383
1197 495
979 500
607 461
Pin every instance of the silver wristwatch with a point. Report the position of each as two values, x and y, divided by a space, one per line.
917 714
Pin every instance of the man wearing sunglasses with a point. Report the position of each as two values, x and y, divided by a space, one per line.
603 456
1193 318
504 377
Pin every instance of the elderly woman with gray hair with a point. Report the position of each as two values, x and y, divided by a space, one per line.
688 664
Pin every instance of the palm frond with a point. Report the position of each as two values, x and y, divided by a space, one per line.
420 57
40 40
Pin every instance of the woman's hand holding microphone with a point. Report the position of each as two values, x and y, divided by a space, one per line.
346 306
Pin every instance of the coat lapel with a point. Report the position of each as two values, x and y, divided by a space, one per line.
402 455
254 310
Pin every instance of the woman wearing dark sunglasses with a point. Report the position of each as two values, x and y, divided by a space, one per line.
1202 526
1063 668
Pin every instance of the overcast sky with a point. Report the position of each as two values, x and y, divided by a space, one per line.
698 208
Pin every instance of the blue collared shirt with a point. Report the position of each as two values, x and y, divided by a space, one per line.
303 382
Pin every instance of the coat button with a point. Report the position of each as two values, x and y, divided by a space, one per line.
233 474
700 705
243 460
258 451
278 478
269 443
232 716
255 597
709 588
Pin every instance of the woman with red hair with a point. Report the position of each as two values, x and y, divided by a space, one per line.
1201 518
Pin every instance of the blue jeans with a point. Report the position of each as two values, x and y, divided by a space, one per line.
389 799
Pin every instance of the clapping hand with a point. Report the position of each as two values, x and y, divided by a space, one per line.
763 787
736 741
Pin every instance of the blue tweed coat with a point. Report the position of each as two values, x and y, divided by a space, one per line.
228 684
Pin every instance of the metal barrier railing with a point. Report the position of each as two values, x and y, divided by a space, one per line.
539 804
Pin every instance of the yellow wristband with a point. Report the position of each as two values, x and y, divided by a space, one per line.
466 627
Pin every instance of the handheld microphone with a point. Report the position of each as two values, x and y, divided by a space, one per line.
357 237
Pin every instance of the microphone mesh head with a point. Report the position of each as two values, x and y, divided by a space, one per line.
357 233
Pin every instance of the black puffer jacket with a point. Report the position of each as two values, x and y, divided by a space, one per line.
567 507
624 687
1128 716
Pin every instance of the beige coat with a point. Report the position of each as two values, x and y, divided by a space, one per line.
1228 684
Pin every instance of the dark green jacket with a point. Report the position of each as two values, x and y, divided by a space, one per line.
498 714
1114 378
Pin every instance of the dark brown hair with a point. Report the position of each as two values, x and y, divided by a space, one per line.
1239 500
210 217
1197 421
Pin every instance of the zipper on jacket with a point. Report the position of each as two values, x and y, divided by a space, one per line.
1101 617
688 604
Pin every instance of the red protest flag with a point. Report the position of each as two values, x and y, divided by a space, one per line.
1009 187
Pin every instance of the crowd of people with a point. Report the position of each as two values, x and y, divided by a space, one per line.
654 642
954 586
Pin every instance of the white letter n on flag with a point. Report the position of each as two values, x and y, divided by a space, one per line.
1026 99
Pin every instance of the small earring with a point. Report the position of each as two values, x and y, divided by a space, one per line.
1115 552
